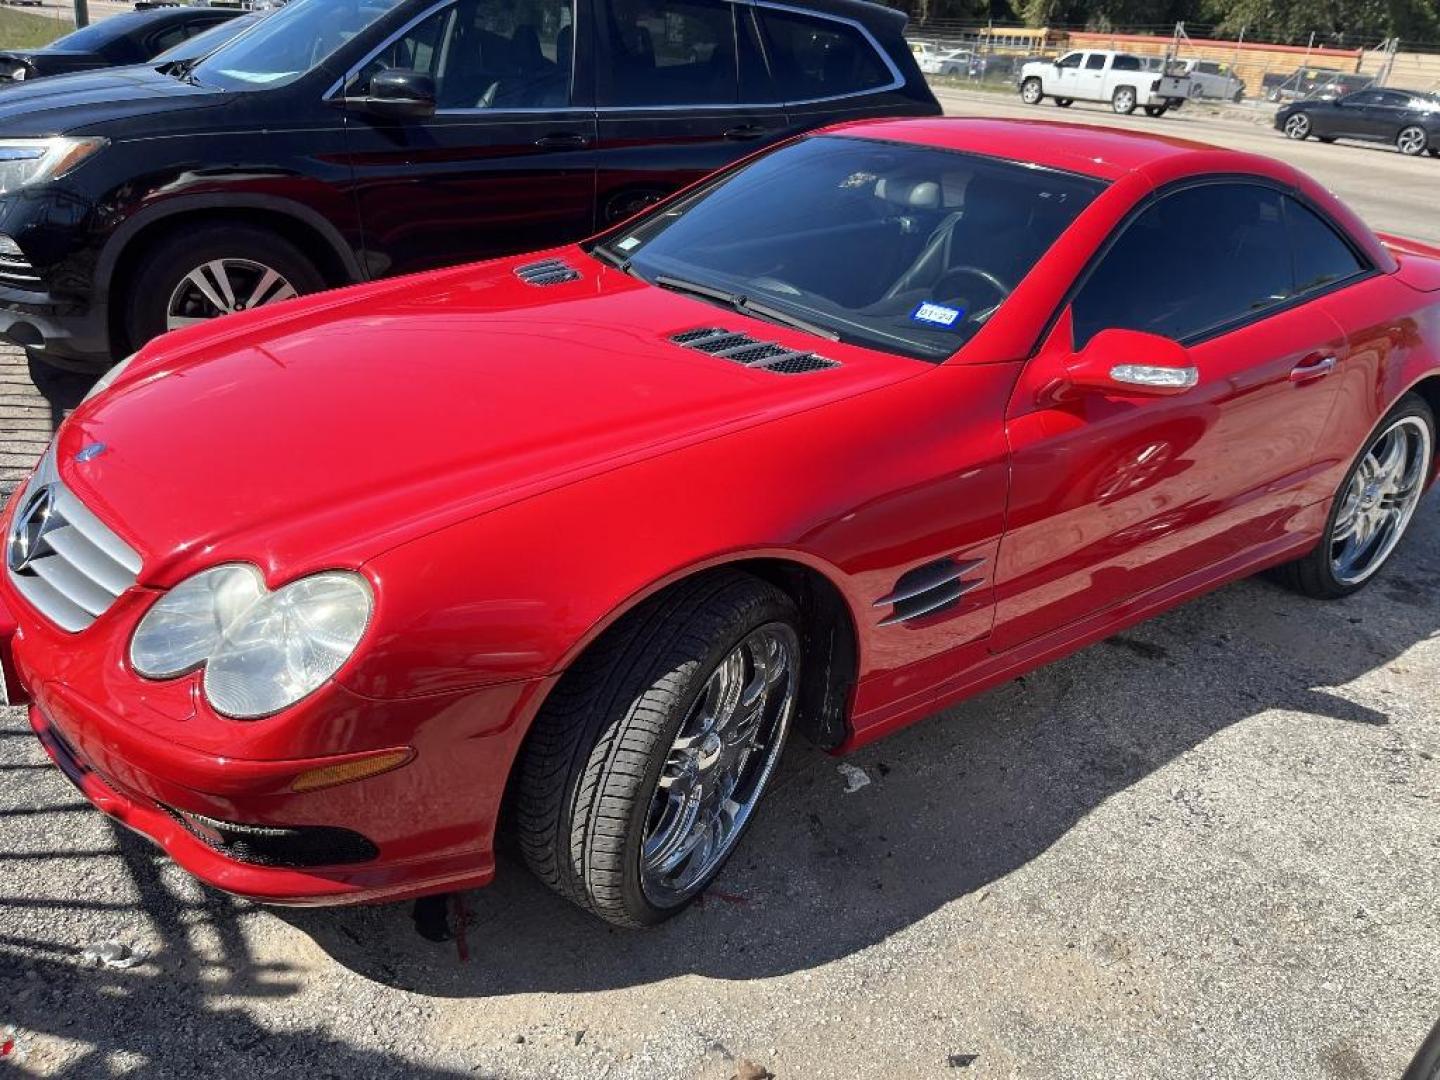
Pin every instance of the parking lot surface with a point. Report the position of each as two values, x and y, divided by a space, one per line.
1207 847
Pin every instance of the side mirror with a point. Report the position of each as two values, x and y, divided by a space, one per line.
399 94
1132 362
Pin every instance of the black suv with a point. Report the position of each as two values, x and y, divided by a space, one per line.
341 140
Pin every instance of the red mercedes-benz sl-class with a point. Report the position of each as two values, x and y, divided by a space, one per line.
869 423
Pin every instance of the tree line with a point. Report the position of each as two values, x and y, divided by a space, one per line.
1346 23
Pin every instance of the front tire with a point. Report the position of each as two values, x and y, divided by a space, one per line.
1412 141
202 273
1031 92
1064 102
1373 508
1123 100
1155 111
1297 127
643 769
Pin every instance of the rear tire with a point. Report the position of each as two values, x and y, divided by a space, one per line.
1412 140
604 774
1123 100
1031 92
165 277
1327 575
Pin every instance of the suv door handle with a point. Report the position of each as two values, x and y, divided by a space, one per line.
745 131
562 141
1312 367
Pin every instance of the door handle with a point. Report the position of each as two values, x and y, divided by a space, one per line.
1313 367
744 132
562 141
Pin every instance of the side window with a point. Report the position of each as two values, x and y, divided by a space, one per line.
1126 63
1070 60
1321 256
680 53
487 54
1196 260
1095 62
169 37
820 58
1364 97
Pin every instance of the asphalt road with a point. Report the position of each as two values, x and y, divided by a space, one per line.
1206 848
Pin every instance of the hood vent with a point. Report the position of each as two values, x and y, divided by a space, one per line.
547 272
743 349
929 589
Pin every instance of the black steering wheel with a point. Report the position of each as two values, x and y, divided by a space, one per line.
942 287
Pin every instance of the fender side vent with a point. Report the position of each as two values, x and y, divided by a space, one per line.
547 272
929 589
746 351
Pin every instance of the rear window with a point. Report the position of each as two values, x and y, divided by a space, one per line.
820 58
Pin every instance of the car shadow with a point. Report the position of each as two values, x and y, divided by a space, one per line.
953 804
62 390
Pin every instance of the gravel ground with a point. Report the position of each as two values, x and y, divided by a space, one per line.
1207 847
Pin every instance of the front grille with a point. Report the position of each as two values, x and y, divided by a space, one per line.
743 349
17 273
547 272
61 557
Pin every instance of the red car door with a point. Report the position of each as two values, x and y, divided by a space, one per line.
1116 495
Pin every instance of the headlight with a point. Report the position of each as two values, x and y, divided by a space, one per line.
31 161
287 644
19 73
185 626
103 383
261 651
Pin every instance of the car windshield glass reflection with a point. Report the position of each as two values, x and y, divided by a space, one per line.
288 43
908 249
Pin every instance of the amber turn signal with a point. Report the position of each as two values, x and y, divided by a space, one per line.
354 769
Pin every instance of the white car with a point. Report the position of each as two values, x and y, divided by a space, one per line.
1102 75
1211 79
951 62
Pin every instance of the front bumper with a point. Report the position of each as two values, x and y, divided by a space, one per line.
58 333
427 826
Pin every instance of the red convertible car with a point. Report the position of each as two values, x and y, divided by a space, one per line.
319 595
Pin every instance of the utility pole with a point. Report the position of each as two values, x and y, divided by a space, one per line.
82 13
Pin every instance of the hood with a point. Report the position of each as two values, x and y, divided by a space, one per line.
65 103
329 430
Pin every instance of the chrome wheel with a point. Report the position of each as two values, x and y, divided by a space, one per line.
223 286
1411 140
1380 499
1031 92
1124 100
1297 126
719 763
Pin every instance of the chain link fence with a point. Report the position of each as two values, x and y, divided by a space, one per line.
1243 69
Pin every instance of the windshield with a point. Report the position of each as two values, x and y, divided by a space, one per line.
903 248
288 43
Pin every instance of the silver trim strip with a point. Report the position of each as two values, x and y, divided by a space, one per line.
946 595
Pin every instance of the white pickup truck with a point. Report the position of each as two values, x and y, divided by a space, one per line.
1101 75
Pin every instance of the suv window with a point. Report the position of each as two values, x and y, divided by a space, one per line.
1126 63
1196 260
819 58
1095 61
486 54
287 43
1321 256
680 54
1070 60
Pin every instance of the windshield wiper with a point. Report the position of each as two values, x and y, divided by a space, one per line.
605 254
745 305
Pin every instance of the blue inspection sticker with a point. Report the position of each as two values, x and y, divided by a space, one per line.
933 314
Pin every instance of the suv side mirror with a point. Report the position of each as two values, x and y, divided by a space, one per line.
1132 362
398 93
